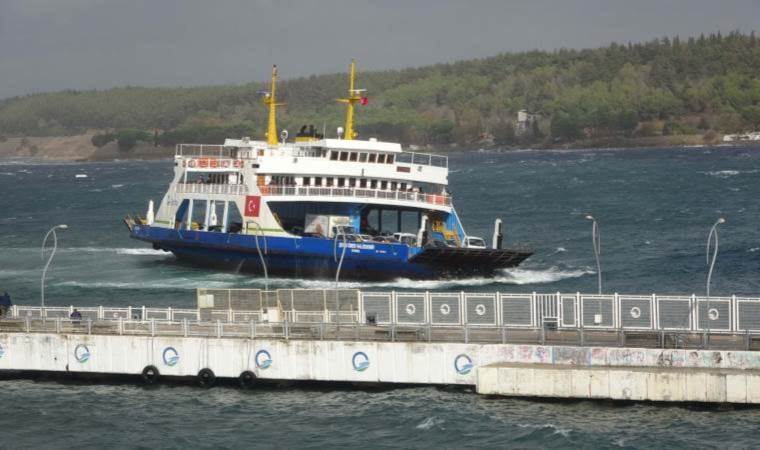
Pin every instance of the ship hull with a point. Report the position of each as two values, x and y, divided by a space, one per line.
308 257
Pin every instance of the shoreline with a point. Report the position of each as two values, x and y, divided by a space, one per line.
80 149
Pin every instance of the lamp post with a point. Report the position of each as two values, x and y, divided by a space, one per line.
596 241
339 233
50 259
711 237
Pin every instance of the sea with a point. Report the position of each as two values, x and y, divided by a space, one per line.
654 209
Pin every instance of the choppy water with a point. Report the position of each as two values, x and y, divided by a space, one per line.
655 208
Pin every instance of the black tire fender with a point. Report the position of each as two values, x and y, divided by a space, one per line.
206 378
150 374
247 379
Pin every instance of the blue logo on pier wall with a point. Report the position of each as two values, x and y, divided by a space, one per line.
82 353
171 356
463 364
263 359
360 361
2 350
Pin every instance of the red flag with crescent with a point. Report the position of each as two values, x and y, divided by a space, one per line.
252 205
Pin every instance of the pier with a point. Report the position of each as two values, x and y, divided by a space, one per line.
629 347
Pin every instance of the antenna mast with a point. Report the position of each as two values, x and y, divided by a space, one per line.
270 99
353 98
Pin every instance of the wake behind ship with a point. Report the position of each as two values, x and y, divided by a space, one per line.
314 206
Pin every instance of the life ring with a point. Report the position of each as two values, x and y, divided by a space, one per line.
206 378
203 162
213 163
247 379
225 163
238 163
150 374
192 163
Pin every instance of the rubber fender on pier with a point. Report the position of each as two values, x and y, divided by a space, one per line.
150 374
206 378
247 379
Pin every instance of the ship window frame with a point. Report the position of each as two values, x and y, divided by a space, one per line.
341 182
330 181
381 158
373 184
402 186
384 185
305 181
352 182
372 158
394 185
362 157
389 159
334 155
363 183
318 181
344 156
353 156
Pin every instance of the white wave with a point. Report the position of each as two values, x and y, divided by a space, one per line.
141 252
753 249
556 430
429 423
728 173
8 174
560 250
117 186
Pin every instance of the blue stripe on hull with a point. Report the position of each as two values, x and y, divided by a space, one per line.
286 256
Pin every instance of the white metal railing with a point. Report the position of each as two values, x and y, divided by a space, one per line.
316 191
202 188
721 315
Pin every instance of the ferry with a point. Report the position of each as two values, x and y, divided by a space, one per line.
317 207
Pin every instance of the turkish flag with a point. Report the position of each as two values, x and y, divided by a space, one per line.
252 205
365 100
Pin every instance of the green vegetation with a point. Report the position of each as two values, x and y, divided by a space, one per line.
704 85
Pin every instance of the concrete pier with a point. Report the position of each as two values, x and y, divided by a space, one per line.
512 345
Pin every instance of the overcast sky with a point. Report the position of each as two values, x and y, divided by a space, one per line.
84 44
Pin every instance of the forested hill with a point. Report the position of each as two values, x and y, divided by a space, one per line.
700 85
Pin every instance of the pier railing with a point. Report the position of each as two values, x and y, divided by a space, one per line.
202 188
554 311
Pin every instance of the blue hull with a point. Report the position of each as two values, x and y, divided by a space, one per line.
305 257
309 257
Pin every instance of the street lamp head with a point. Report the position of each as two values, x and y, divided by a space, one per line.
721 220
589 217
63 226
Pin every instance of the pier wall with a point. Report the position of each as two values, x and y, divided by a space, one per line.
392 362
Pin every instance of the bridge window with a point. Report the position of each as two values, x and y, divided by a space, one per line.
306 181
352 182
362 157
341 182
394 185
353 156
373 184
383 185
317 181
381 158
330 181
372 157
363 183
344 156
403 186
390 159
333 155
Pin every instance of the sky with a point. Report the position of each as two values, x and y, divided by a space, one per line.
96 44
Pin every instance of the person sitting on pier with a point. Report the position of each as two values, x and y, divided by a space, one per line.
75 316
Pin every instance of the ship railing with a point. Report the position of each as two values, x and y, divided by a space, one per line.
362 193
203 188
422 159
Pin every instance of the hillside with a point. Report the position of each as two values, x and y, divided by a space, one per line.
704 85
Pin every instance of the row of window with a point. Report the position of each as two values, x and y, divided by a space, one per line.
379 158
361 183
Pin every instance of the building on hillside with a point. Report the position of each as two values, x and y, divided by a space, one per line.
753 136
525 121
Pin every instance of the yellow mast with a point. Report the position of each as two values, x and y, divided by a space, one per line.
271 101
353 97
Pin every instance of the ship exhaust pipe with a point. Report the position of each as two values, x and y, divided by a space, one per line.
498 236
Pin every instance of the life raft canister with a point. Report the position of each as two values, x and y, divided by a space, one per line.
192 163
238 163
225 163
